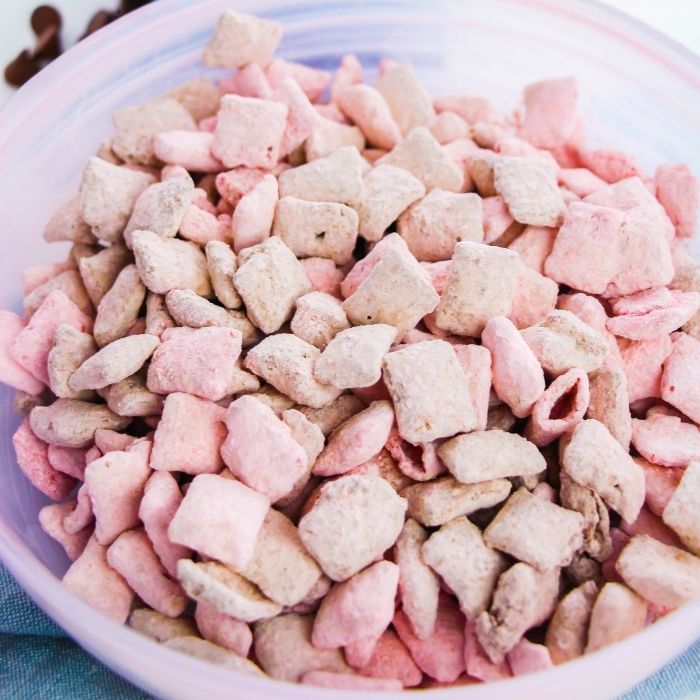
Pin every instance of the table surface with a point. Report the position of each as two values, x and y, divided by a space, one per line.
35 661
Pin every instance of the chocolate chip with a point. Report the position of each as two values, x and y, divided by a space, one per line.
98 20
24 67
45 17
48 44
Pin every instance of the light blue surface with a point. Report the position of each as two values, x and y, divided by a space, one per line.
37 661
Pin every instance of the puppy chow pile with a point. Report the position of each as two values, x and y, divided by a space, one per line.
349 386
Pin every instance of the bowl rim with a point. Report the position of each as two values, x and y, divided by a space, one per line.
74 616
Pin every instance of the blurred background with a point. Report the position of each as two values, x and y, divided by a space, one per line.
677 18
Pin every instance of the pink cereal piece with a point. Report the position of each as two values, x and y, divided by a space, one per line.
208 124
360 607
560 408
68 460
391 659
680 382
471 109
260 449
95 582
475 360
301 117
349 72
253 216
534 298
449 126
534 245
666 440
478 664
660 484
249 132
132 555
33 277
220 518
651 313
585 252
677 190
190 149
200 199
116 483
366 107
32 457
81 516
312 81
497 218
348 681
609 164
31 346
233 184
619 540
324 275
647 523
110 440
249 81
201 226
527 657
580 181
441 655
518 378
224 630
356 440
11 372
199 361
161 499
189 436
643 363
439 273
550 112
332 111
51 520
419 462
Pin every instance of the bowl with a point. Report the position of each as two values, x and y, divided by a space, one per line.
639 91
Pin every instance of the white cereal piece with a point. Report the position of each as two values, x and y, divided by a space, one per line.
317 229
213 654
160 208
220 518
353 357
66 224
137 126
433 225
131 397
524 598
353 522
481 286
529 188
119 307
270 279
287 362
99 271
433 402
437 502
306 433
328 136
221 265
72 423
535 531
664 575
617 613
458 553
562 342
480 166
107 196
230 593
70 349
396 291
158 318
419 586
388 191
281 567
449 127
593 458
157 626
170 263
318 317
199 96
568 629
242 39
682 512
69 282
334 413
114 362
249 132
335 178
535 296
609 402
490 454
408 100
424 157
